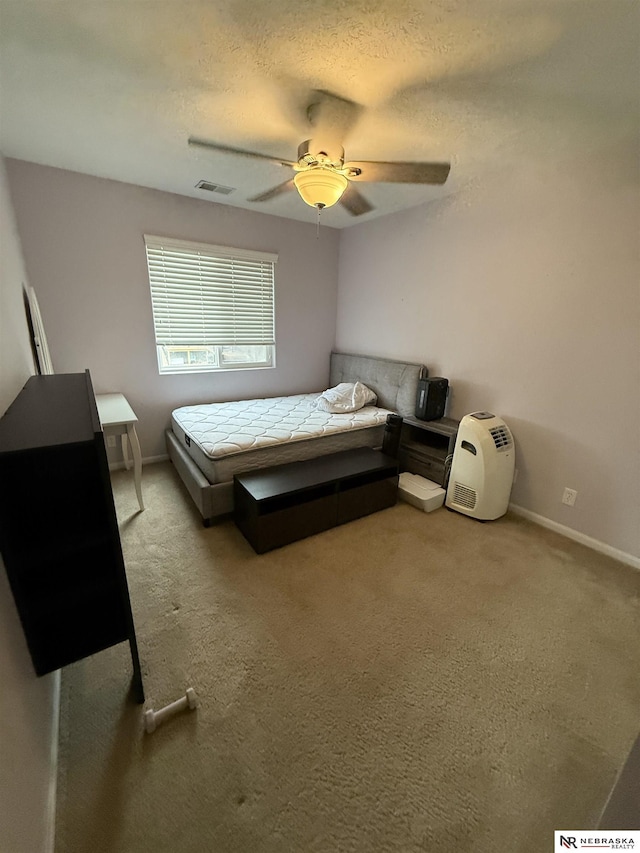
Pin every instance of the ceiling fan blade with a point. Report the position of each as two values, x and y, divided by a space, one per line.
355 202
399 173
228 149
274 191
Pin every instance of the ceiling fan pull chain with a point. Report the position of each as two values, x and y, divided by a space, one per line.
319 209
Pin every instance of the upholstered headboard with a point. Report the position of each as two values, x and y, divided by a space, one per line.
395 382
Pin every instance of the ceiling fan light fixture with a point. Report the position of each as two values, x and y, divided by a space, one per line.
320 187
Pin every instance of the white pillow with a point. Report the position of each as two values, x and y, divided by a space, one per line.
345 397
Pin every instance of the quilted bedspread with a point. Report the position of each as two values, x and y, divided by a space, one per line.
224 429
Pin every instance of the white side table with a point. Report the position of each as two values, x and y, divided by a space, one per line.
117 416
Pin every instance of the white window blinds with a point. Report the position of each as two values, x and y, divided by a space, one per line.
210 295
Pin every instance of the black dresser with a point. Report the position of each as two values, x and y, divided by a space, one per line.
59 534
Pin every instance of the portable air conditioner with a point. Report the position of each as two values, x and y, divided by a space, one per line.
482 468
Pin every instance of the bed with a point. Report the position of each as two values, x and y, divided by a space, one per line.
210 443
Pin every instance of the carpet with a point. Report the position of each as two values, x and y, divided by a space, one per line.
406 682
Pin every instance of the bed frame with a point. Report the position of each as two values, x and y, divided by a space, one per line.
395 383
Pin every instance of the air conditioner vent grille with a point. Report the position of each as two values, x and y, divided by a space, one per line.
501 437
464 496
209 186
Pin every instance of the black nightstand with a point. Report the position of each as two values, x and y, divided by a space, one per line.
425 446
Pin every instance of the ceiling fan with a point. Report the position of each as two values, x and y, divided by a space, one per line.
322 177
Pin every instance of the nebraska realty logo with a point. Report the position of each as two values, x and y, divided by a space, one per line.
591 839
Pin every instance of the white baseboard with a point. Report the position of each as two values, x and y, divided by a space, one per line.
147 460
595 544
50 838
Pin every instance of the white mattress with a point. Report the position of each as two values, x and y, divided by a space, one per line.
224 438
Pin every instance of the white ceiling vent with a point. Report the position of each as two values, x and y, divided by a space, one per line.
214 188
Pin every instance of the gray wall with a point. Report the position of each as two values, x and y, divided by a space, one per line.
26 702
85 256
523 291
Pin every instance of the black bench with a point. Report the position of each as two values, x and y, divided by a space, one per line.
278 505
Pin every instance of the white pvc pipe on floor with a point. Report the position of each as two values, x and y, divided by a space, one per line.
152 719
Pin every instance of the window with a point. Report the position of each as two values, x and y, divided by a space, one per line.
213 307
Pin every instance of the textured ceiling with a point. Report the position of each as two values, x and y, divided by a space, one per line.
115 89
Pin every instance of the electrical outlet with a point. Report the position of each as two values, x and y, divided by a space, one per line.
111 441
569 497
